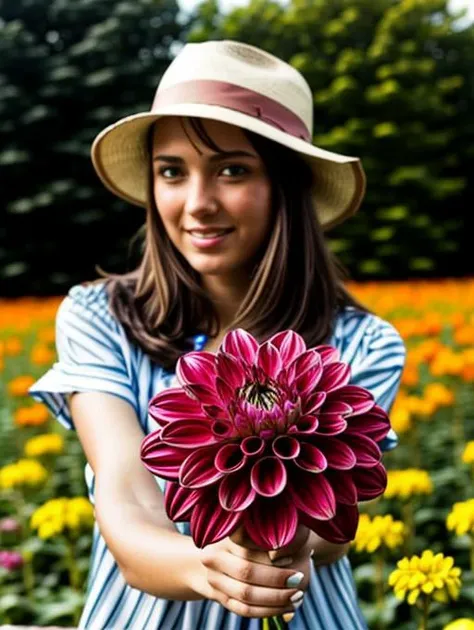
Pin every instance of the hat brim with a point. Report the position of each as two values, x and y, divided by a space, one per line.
120 158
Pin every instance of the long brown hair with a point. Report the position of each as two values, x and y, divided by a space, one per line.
296 283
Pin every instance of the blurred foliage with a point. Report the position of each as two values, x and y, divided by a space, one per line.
68 69
392 83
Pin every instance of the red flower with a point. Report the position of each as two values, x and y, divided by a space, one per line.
266 436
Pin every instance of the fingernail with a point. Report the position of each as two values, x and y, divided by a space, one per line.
283 562
311 553
296 597
295 580
298 604
288 617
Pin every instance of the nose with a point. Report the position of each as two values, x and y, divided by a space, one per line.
200 196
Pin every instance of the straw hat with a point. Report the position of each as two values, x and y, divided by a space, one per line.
241 85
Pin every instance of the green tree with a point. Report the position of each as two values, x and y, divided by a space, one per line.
68 69
393 83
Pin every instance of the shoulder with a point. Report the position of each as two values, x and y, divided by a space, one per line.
88 304
358 333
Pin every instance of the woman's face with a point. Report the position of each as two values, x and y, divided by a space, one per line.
215 206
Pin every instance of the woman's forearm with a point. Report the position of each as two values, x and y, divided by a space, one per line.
326 552
152 557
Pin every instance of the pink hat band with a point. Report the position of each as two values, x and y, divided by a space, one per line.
234 97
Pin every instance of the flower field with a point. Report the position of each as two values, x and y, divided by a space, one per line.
413 555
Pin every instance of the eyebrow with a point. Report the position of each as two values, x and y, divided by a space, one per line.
224 155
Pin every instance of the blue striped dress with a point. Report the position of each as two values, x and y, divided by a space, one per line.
94 354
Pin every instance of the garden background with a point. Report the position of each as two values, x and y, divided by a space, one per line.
393 82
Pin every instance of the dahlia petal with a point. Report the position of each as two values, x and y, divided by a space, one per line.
210 522
360 399
224 391
344 487
229 458
328 354
186 433
179 501
235 492
306 361
370 482
308 381
173 404
311 458
286 447
271 523
203 394
230 370
198 469
252 445
331 424
335 375
306 424
339 530
312 494
241 345
374 424
338 407
367 453
161 459
268 359
268 476
222 429
215 411
289 344
312 402
338 454
196 368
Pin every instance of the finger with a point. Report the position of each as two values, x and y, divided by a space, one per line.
252 555
252 595
253 573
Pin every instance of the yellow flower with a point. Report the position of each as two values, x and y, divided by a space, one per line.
382 530
31 416
24 472
460 624
440 394
400 419
461 518
468 454
408 482
47 444
63 516
13 347
19 386
433 575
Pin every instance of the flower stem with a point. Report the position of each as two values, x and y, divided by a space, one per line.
380 586
407 510
426 613
458 428
74 574
472 552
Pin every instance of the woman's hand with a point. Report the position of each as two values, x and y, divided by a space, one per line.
245 582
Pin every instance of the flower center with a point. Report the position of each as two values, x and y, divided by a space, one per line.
261 396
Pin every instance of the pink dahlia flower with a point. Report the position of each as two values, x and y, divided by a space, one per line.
266 436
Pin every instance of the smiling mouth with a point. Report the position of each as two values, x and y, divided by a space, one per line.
210 235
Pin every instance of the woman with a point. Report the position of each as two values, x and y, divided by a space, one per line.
236 200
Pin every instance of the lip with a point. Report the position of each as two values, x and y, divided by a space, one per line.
201 243
208 230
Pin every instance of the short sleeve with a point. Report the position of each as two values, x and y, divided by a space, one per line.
90 345
379 367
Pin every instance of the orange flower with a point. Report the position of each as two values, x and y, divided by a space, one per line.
47 335
12 347
464 336
19 386
410 376
31 416
42 355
